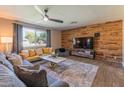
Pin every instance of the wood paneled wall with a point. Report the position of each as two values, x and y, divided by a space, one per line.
108 46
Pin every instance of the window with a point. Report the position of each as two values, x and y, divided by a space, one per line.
41 38
34 37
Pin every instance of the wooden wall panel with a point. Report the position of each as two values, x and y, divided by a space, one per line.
108 46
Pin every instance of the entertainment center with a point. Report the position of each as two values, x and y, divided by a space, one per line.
83 53
83 46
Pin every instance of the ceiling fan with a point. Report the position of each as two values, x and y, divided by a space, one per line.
45 16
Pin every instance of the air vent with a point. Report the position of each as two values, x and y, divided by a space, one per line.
73 22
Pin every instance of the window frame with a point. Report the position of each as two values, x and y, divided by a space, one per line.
35 31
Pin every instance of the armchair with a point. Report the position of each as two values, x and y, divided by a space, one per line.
62 52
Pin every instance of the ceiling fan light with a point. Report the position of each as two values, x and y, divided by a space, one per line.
45 19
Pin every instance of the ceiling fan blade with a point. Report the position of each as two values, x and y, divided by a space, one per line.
39 10
44 14
56 20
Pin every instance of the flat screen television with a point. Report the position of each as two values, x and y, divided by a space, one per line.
83 42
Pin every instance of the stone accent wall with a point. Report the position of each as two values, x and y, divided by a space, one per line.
108 46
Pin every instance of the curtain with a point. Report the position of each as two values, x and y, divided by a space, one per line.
48 38
17 38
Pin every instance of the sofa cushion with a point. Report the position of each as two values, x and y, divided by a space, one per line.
34 58
5 62
39 51
32 78
8 78
47 50
31 67
24 53
27 63
32 52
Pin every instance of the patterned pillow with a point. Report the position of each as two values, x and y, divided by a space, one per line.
39 51
32 52
32 78
24 53
16 59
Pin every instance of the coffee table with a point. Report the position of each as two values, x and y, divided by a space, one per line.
54 61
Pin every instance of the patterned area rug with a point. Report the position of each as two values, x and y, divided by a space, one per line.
75 73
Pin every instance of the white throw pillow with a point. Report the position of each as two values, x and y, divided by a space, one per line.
16 59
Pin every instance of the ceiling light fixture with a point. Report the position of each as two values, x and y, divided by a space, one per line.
45 19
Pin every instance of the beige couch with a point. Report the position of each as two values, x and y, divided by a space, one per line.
34 54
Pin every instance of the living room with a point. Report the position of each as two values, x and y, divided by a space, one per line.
58 46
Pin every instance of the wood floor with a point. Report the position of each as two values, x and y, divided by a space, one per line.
109 74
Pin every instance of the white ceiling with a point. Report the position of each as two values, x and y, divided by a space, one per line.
84 14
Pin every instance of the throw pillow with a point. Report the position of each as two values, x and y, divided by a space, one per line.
50 50
32 52
32 78
39 51
62 49
47 50
24 53
16 59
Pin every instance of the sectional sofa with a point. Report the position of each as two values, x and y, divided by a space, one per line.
34 54
10 78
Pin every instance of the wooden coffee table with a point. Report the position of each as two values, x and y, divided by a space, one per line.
54 61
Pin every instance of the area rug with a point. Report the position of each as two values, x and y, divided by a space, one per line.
75 73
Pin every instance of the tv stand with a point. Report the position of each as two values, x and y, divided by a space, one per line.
89 53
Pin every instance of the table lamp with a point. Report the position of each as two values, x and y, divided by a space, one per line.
6 41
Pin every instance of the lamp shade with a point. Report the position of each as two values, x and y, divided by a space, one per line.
6 39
